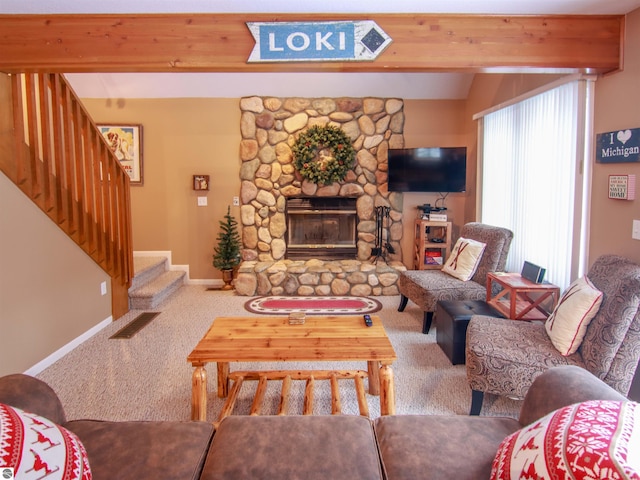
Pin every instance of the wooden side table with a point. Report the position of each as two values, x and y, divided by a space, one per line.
519 298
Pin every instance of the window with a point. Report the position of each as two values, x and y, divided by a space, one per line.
534 176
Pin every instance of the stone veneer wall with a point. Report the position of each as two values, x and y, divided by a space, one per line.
269 128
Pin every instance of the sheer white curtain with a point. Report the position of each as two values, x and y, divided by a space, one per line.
533 180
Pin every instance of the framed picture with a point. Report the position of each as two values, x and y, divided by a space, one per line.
201 182
125 142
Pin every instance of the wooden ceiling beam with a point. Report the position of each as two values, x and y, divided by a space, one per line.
222 43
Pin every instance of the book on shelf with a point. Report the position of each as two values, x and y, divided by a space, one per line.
433 257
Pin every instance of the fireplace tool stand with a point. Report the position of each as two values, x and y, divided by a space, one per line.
382 246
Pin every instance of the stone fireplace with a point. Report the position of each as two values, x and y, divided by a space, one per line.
270 186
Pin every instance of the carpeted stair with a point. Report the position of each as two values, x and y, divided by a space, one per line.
152 282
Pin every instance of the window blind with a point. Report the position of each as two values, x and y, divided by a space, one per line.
533 178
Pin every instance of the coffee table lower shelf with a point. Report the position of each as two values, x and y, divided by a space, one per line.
286 377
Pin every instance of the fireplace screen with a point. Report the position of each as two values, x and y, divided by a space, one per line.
321 227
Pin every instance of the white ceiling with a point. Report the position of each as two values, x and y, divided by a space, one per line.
234 85
511 7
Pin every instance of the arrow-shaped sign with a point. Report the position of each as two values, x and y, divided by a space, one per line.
360 41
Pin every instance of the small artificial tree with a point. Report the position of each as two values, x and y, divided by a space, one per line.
227 253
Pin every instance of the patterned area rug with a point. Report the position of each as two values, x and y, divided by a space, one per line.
313 305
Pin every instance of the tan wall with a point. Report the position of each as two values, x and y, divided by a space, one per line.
49 288
181 138
616 108
432 123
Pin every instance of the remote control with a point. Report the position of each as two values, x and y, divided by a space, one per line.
367 320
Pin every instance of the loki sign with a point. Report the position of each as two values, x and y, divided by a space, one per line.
317 41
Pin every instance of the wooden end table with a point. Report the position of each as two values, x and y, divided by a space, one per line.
519 298
270 339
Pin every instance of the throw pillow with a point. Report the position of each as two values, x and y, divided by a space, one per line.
464 259
595 439
35 447
568 323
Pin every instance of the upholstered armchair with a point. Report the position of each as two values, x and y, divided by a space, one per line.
503 357
426 287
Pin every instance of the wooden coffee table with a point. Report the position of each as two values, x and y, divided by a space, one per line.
270 339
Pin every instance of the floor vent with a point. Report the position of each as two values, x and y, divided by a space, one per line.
135 325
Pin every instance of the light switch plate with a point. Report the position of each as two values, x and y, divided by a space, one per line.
202 201
635 232
236 201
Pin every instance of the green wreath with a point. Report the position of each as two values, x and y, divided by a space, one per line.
323 154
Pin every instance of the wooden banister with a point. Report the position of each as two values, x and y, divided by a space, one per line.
53 151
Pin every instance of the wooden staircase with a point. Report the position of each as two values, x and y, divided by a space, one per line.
53 151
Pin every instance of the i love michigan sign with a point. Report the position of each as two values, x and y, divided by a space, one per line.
622 146
341 41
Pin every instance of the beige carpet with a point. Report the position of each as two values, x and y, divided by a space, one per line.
147 377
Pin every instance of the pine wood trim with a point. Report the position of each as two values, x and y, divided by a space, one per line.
222 43
51 149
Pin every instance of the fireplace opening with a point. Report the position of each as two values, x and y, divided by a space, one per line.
321 227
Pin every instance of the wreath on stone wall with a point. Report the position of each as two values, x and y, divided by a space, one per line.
323 154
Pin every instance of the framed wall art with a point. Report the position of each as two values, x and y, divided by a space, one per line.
125 142
201 182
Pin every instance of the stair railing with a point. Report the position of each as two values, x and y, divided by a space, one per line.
52 150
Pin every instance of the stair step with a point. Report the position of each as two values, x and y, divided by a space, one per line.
146 269
151 294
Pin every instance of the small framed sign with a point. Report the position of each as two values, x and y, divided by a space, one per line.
622 187
201 182
622 146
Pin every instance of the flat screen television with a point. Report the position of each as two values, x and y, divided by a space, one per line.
435 169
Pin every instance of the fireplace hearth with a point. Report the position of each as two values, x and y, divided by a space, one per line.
321 227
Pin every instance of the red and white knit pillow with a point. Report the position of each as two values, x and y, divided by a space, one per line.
35 447
592 440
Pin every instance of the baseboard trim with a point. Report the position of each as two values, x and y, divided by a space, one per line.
61 352
208 282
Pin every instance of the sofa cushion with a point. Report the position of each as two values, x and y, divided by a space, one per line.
426 287
137 450
464 259
567 324
293 447
36 447
594 439
439 446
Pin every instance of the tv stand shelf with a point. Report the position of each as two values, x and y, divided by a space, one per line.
432 243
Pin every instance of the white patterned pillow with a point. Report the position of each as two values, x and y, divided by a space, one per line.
596 439
568 323
464 259
35 447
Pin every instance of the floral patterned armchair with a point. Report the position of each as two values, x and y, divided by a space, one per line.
426 287
503 357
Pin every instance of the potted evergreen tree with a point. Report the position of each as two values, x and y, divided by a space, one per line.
227 253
